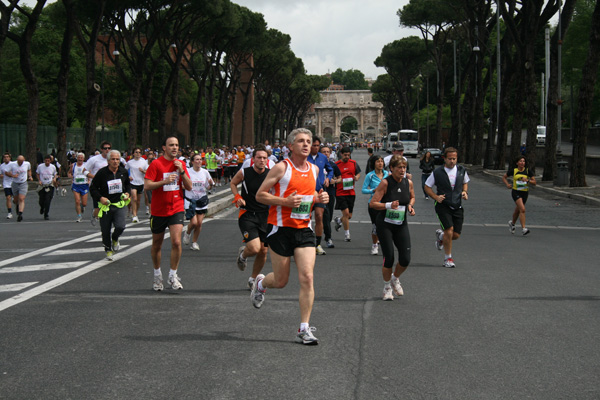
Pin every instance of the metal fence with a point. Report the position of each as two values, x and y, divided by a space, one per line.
14 137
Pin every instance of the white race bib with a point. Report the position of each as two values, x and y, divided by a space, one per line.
173 185
115 186
303 210
348 183
395 216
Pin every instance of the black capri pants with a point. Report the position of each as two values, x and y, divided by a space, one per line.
391 235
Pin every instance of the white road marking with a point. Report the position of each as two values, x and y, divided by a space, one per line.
86 250
42 267
15 287
122 238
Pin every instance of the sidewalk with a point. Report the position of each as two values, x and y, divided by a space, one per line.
589 195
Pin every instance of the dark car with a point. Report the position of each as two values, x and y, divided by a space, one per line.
437 155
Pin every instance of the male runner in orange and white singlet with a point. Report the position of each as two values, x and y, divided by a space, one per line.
290 191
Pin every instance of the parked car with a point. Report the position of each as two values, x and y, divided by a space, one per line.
438 157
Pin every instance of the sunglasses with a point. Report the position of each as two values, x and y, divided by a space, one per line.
106 148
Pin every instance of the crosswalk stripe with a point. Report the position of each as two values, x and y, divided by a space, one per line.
124 237
75 251
15 287
42 267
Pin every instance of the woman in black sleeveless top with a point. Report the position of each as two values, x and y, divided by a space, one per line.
394 198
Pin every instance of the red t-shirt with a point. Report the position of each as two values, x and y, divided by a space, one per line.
348 169
168 199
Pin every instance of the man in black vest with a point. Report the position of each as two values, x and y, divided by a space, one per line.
452 184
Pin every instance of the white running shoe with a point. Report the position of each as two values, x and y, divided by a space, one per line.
241 263
397 287
525 231
306 337
256 295
329 243
250 282
94 221
116 245
347 237
338 223
158 283
320 251
511 227
439 244
109 255
78 218
195 246
174 282
9 216
387 294
147 210
449 263
186 237
374 249
135 220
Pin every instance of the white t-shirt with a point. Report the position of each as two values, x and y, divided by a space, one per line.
94 163
46 174
133 166
22 169
451 176
79 174
201 181
4 168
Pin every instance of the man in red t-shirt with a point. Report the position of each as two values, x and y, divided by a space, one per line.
345 194
165 177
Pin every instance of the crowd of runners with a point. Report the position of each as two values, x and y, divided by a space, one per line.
277 189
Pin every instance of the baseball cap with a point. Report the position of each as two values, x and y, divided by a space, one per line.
398 146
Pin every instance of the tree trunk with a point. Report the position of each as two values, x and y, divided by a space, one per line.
134 97
518 115
585 101
63 83
531 94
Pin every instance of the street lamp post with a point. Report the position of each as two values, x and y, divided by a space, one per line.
102 90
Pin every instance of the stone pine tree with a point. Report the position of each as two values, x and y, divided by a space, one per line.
586 95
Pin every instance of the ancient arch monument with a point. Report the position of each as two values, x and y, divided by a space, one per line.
336 105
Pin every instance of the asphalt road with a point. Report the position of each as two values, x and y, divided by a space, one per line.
518 318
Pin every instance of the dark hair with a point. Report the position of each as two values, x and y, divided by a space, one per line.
259 147
316 138
345 150
369 150
450 150
105 142
373 160
519 159
164 143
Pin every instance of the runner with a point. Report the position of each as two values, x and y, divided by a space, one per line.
92 166
137 167
164 177
253 215
111 190
325 175
397 150
372 180
80 186
393 198
293 184
20 172
522 177
148 193
7 183
345 194
211 163
47 175
328 214
197 201
427 166
452 184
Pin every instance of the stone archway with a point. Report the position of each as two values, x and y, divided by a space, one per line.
337 105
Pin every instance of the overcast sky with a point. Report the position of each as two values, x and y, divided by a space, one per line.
332 34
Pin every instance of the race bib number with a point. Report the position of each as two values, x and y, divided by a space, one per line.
173 185
198 188
396 216
522 185
80 179
303 210
115 186
348 183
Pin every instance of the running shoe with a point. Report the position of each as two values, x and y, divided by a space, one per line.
41 210
241 263
135 220
397 287
347 237
374 250
511 227
9 216
109 255
158 283
250 282
449 263
525 231
147 210
195 246
78 218
338 223
320 251
387 294
439 244
256 295
20 218
186 237
116 245
93 221
46 217
174 282
329 243
306 337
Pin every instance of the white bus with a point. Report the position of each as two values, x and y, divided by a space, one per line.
392 138
410 140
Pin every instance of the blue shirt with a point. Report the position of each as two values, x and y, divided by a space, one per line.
321 161
371 183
